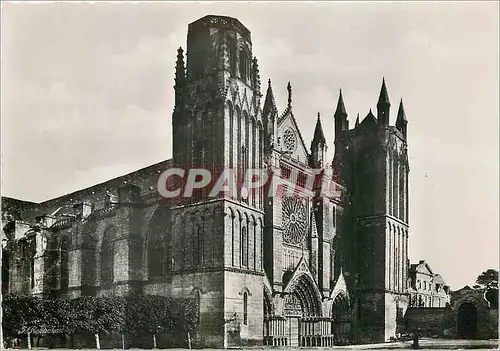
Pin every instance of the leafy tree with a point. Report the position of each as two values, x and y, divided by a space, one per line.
488 278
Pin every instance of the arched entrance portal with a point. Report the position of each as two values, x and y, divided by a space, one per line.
302 311
467 321
342 320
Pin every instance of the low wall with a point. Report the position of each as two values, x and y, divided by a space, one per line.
430 321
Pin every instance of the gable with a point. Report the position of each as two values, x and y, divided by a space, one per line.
424 269
290 138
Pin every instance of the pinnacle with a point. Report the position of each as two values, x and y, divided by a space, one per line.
318 131
269 102
357 121
401 112
383 97
340 106
401 119
289 88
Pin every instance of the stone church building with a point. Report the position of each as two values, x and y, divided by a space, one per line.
312 267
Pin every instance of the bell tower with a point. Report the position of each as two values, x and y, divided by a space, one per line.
216 119
217 126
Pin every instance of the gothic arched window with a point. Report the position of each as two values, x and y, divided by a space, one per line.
198 246
107 256
244 158
245 308
244 246
243 65
64 264
156 257
232 56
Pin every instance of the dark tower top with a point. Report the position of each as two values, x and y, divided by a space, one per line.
220 22
383 105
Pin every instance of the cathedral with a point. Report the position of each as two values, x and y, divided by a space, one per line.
310 266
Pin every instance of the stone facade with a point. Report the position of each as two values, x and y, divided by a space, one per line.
426 288
310 267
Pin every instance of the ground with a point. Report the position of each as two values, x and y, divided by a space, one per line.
425 344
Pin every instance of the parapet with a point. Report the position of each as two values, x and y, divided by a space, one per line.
222 22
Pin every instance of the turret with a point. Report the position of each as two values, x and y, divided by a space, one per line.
340 117
401 121
318 145
383 105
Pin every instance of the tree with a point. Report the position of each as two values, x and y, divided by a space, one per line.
487 279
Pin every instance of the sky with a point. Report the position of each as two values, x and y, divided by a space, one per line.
87 95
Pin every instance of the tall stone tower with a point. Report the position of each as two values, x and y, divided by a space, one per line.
217 126
372 162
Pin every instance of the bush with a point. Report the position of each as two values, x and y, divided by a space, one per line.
134 315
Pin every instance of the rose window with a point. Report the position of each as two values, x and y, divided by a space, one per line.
295 219
289 139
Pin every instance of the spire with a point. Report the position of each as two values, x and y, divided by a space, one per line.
318 146
269 102
357 121
401 113
289 88
383 98
319 136
401 121
383 106
340 106
340 117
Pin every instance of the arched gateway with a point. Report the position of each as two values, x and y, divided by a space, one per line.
467 321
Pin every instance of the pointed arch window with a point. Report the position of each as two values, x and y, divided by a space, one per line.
32 272
245 308
107 256
198 246
156 256
64 264
243 65
232 56
244 247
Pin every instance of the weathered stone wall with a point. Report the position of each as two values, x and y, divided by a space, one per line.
428 321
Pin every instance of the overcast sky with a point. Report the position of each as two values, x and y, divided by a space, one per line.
87 95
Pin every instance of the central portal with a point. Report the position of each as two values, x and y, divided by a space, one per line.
293 312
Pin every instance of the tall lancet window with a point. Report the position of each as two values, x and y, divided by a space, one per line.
395 186
244 247
64 264
243 65
254 156
107 256
245 308
198 246
244 158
